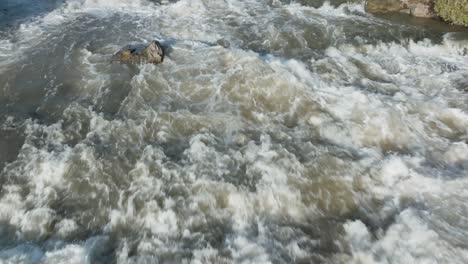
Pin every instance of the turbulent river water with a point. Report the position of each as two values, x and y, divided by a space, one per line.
274 132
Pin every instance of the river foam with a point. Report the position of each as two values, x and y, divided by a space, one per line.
304 140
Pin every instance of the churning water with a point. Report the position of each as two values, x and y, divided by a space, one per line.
315 133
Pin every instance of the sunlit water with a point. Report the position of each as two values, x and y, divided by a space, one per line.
316 133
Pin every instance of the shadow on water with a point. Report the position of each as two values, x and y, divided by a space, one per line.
436 26
11 140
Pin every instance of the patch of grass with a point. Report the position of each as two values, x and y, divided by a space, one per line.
455 11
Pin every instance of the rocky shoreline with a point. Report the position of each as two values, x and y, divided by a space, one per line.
453 11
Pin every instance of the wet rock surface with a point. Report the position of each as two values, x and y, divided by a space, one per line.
140 53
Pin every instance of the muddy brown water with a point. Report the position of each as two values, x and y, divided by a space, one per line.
320 134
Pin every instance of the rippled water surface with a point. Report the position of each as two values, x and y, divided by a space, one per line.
315 133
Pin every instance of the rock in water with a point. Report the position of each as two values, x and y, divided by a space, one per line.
223 43
151 53
420 8
417 8
383 6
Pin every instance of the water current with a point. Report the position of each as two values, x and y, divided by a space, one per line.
274 132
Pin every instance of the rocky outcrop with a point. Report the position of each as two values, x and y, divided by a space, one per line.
151 53
455 11
417 8
420 8
383 6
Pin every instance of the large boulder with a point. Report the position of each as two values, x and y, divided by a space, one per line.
383 6
417 8
420 8
151 53
455 11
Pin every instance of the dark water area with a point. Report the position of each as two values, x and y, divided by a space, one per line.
317 133
14 12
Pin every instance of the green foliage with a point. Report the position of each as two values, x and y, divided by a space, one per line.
455 11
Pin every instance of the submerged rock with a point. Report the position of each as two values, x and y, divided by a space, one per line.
151 53
223 43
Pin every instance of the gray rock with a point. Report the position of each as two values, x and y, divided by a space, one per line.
224 43
417 8
151 53
421 8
